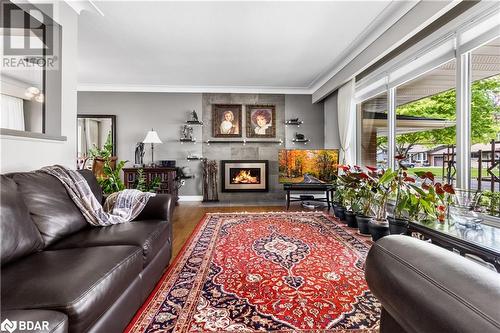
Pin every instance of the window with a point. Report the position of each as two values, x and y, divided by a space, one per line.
373 128
485 124
426 122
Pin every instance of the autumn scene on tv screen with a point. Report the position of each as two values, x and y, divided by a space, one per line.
307 166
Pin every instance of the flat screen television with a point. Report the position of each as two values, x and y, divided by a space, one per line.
307 166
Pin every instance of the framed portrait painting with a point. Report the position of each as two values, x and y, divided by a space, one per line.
261 121
226 120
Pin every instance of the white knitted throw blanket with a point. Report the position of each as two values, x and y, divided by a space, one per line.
120 207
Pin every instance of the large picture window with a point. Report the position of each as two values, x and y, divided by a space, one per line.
426 122
438 105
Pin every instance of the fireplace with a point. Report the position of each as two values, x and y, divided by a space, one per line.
244 176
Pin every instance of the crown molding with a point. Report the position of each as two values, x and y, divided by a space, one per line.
84 5
195 89
389 16
410 23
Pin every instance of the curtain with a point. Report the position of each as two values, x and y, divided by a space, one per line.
11 112
346 117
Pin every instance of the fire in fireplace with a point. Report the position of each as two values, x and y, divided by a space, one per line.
244 176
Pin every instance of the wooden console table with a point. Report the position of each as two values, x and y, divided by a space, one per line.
483 243
306 187
168 181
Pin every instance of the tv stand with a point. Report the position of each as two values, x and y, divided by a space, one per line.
328 189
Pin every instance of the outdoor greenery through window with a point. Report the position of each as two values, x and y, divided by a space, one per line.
485 125
426 122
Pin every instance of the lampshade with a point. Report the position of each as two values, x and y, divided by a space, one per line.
152 137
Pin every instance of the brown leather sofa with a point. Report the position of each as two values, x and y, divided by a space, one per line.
425 288
56 267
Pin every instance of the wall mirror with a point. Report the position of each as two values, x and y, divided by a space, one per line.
30 76
92 132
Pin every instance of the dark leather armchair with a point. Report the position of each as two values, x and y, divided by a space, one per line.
58 268
425 288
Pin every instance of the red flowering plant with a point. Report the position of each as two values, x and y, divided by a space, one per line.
384 184
432 198
364 194
405 202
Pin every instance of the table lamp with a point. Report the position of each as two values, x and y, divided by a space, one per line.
152 138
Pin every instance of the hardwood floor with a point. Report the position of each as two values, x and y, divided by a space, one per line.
188 214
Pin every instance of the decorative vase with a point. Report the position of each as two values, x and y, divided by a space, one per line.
398 226
98 166
339 212
378 229
350 218
362 222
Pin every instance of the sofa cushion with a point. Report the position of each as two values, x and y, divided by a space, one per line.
82 283
150 235
50 206
57 322
19 235
93 184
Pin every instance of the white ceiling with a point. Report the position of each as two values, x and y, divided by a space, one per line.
152 46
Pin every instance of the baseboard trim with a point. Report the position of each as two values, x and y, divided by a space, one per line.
190 198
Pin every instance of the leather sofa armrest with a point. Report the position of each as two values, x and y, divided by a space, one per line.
50 321
158 207
425 288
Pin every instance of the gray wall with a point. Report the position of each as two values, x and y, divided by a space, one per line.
331 122
137 113
300 106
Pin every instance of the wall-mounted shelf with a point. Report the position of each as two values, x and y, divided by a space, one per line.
294 122
194 158
304 141
208 142
195 123
187 140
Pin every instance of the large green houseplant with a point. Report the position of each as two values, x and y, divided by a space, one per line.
105 167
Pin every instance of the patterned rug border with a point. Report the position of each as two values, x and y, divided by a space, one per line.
193 234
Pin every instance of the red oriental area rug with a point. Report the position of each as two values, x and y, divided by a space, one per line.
293 271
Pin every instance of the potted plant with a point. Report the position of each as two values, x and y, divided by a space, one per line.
101 156
365 200
111 181
432 199
384 184
339 195
143 185
351 187
398 223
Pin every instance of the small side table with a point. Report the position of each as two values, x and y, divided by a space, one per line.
328 189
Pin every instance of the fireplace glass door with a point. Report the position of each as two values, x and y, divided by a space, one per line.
244 176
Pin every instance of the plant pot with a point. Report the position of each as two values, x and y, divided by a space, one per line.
98 166
350 218
339 212
378 229
362 222
398 226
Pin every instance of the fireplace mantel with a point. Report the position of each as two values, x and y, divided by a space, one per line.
245 175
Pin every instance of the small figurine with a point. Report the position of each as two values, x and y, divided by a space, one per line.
187 133
194 117
139 153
